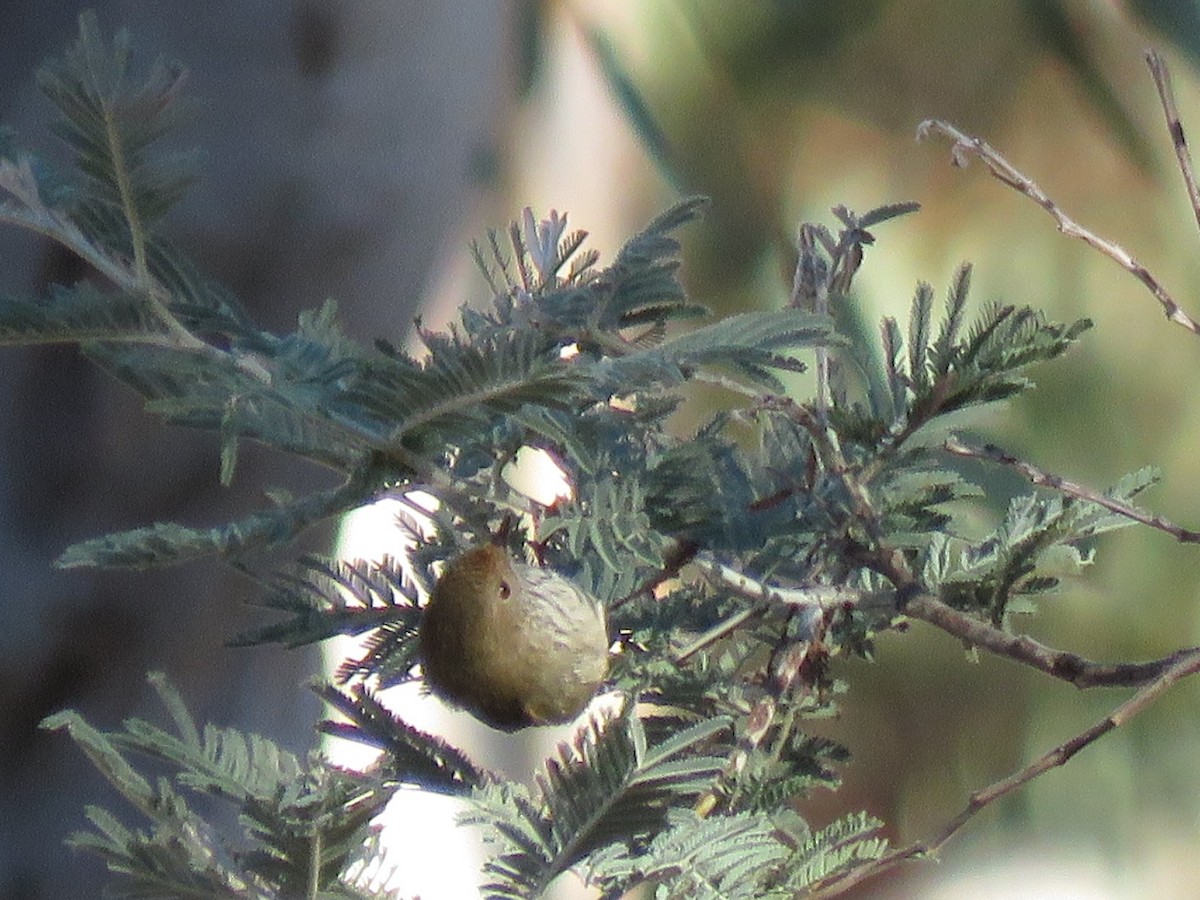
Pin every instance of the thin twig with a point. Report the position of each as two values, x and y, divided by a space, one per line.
812 293
1056 482
886 560
966 146
724 381
814 600
1069 667
1162 81
917 604
1187 664
818 597
718 631
674 559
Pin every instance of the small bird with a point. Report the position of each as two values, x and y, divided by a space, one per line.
514 644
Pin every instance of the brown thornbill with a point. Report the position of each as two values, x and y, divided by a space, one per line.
514 644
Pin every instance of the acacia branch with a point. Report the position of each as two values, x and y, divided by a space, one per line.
814 601
912 600
816 597
966 146
828 447
1062 664
26 210
1187 663
1162 81
1056 482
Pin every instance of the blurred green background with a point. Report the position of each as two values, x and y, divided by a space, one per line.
779 110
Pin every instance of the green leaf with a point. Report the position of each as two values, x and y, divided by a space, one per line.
112 120
330 597
301 823
604 788
606 520
461 387
846 843
168 544
76 315
104 756
752 343
918 336
633 102
410 755
719 858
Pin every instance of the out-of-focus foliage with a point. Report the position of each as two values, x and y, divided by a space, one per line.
590 362
785 109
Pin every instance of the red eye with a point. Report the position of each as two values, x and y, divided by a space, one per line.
505 590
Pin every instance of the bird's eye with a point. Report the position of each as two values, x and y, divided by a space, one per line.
505 590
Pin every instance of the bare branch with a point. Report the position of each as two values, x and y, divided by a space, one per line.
1162 81
1048 479
1070 667
813 601
818 597
1187 663
966 146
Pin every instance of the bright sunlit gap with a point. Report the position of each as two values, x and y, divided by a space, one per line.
423 853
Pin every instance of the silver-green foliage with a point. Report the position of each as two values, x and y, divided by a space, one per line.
589 363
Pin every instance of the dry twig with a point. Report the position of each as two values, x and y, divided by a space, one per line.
1152 678
1048 479
1187 663
1162 81
966 146
1064 665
